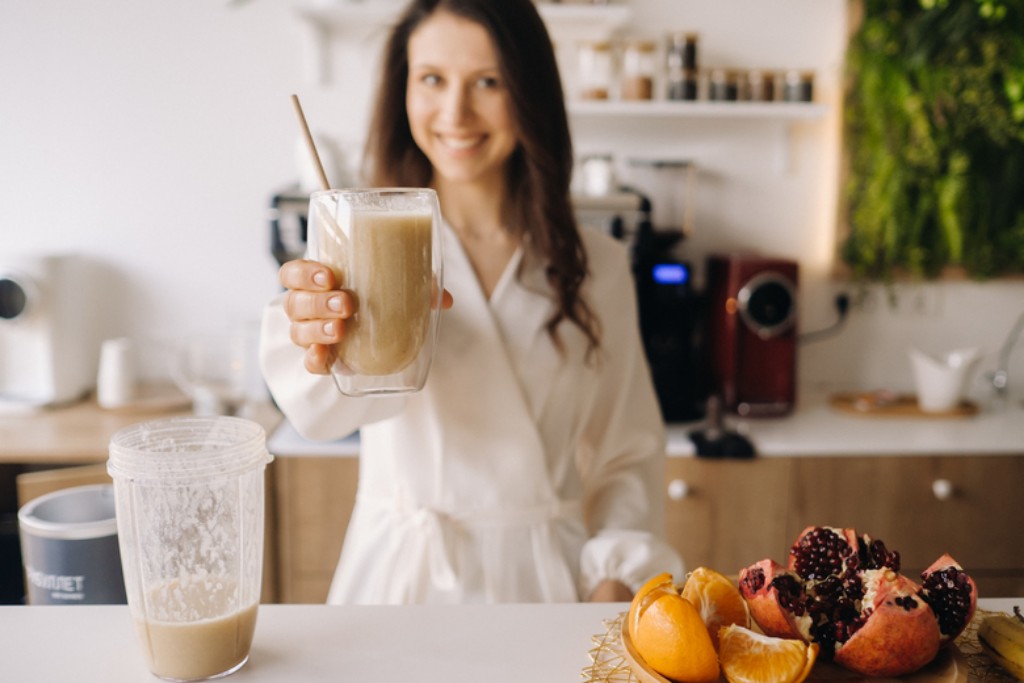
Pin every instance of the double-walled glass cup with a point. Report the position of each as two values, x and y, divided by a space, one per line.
189 498
384 247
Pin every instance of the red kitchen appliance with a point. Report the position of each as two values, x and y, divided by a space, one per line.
752 303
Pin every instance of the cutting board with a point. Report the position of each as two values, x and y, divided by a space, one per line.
887 404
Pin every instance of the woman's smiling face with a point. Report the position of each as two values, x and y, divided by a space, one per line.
457 104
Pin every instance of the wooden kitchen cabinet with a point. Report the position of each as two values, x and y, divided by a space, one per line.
922 506
735 513
313 503
727 514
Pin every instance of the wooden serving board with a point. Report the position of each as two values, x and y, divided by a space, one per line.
886 404
949 667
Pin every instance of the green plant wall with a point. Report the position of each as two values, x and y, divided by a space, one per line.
934 139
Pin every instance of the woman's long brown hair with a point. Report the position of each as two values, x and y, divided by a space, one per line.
538 209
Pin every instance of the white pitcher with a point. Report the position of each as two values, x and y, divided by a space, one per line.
941 381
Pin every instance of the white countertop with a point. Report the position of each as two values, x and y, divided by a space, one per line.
814 428
426 644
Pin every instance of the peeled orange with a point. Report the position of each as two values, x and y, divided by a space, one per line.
669 634
656 585
717 599
751 657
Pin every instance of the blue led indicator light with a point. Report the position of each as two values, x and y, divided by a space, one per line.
670 274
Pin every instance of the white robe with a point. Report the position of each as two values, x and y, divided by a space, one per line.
516 474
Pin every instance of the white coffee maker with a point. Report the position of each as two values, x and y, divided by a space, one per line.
48 337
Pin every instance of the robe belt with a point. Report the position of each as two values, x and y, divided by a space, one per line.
430 525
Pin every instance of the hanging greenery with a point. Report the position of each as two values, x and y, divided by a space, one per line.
934 130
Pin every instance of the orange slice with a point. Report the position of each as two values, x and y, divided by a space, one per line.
750 657
717 599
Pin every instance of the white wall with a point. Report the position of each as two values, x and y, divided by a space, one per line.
148 135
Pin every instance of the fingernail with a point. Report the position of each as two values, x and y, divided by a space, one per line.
320 278
329 328
334 303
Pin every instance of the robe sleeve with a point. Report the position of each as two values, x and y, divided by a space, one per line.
312 403
622 453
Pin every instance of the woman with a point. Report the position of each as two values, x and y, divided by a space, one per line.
530 466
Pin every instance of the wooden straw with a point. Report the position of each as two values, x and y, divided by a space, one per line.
309 141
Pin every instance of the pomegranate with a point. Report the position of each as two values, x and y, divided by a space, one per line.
845 592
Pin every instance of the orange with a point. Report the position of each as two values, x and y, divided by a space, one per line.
655 585
669 634
717 599
750 657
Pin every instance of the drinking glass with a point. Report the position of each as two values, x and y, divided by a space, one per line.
384 247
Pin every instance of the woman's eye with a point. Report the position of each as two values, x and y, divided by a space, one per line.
430 79
487 82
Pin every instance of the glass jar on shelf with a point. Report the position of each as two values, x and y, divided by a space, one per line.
681 72
723 85
798 86
637 70
596 70
759 86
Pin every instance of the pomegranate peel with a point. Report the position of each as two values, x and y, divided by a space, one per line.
755 583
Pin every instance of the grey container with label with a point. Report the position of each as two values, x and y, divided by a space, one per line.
69 547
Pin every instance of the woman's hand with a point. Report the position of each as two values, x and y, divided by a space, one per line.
318 311
611 590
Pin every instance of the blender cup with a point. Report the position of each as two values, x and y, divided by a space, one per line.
189 497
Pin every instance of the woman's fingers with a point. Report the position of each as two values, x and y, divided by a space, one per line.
304 305
318 359
446 297
307 332
306 274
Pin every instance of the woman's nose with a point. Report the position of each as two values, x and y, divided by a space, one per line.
455 106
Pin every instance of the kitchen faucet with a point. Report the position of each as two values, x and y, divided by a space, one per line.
1001 377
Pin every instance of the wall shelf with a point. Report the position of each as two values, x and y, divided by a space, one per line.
779 111
573 23
326 22
656 115
349 17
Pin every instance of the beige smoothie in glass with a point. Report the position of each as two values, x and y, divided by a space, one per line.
384 246
192 632
385 260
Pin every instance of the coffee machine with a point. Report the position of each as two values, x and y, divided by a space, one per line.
671 314
752 333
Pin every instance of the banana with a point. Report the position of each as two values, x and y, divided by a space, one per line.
1002 638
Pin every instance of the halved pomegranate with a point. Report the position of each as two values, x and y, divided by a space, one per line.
844 591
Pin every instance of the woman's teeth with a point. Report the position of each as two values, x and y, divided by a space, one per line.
461 143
